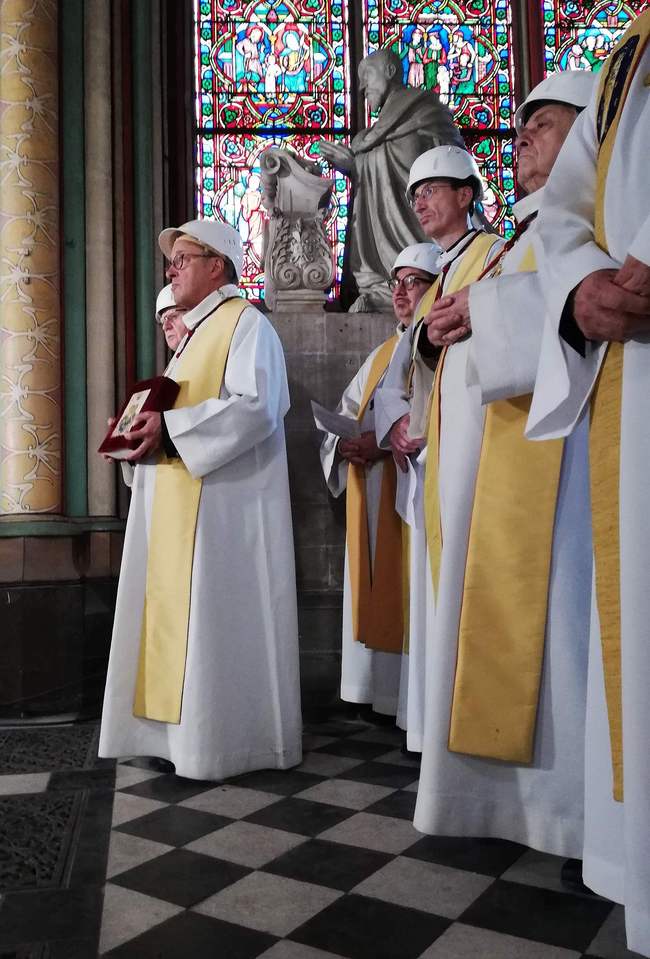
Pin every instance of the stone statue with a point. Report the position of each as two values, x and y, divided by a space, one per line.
298 259
378 161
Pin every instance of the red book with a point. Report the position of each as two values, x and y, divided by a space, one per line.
155 395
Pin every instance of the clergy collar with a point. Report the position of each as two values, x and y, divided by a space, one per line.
209 304
528 204
450 254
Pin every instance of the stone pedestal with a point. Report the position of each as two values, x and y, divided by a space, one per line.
323 352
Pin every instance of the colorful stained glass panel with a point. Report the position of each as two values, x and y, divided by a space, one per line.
272 63
228 184
494 154
268 72
462 51
579 34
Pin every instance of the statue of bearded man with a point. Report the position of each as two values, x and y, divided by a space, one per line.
378 162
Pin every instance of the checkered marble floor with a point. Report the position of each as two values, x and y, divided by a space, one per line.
323 862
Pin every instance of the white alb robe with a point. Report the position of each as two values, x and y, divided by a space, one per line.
392 402
241 698
617 835
367 675
539 805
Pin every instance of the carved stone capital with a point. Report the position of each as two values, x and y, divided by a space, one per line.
298 258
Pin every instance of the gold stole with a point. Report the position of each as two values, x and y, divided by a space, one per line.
166 615
472 259
376 587
605 424
468 271
505 593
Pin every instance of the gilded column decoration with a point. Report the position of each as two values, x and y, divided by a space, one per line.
30 326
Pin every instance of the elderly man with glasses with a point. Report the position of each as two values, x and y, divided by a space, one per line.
506 654
203 669
169 317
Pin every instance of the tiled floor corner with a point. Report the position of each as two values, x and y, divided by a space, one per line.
319 862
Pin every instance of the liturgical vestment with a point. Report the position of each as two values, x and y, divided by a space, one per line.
367 675
240 686
465 789
406 390
597 212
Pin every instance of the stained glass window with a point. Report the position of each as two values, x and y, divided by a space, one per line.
463 52
579 34
268 72
495 157
280 72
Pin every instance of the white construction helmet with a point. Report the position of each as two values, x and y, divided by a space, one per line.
165 300
570 87
213 234
422 256
445 163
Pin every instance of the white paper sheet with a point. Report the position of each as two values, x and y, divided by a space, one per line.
409 494
330 422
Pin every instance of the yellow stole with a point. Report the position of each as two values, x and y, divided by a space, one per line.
376 587
165 620
468 271
473 259
605 426
503 614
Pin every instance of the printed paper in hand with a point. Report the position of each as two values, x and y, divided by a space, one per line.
334 423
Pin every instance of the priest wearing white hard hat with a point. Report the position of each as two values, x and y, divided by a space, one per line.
373 622
414 270
567 88
203 669
508 639
595 363
169 317
443 188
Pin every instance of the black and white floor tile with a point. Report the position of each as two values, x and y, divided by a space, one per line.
319 862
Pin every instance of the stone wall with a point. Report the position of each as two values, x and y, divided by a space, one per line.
323 352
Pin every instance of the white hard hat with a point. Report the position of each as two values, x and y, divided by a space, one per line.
423 256
571 87
215 234
448 163
165 300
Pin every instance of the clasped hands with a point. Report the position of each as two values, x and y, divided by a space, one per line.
608 305
362 450
448 319
614 305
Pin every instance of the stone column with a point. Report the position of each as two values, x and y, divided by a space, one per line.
30 315
100 333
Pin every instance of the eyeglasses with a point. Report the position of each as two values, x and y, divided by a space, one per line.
408 282
427 191
178 261
168 315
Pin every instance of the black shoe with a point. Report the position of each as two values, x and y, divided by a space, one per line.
571 877
162 765
410 753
